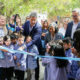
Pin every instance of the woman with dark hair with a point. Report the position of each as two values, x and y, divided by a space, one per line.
45 25
18 25
10 25
44 32
55 69
44 29
15 17
14 24
53 33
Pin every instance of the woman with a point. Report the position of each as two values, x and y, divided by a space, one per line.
3 29
53 33
10 25
14 24
18 24
44 32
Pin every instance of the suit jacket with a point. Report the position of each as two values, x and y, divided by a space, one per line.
69 29
35 34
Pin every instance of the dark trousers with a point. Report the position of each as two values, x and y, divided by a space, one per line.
19 74
37 71
6 73
71 79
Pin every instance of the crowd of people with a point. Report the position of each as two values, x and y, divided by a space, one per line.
48 39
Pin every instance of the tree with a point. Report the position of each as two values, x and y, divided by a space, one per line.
24 7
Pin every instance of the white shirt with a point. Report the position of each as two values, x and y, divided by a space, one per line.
62 31
74 27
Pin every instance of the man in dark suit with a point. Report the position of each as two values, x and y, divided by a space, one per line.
33 28
74 25
71 28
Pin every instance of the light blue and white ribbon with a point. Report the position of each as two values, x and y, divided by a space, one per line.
37 56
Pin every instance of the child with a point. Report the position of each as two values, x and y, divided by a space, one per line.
20 59
7 63
1 44
55 69
31 61
1 57
13 39
73 65
67 47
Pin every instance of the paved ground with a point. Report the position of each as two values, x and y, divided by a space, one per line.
41 71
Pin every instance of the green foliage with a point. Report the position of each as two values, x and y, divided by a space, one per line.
24 7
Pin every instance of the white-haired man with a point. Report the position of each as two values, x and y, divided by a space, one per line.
71 29
73 25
